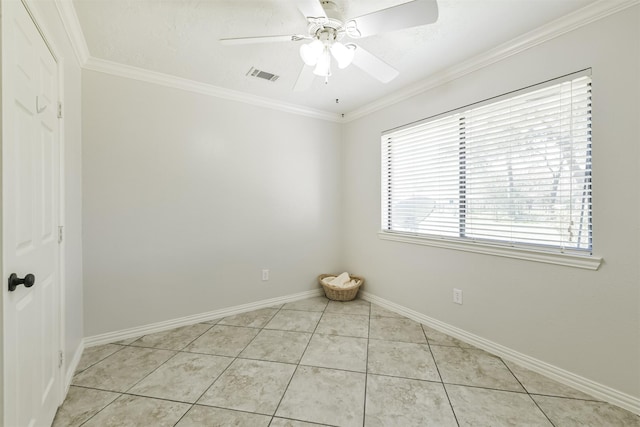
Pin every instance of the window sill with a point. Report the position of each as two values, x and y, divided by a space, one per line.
569 260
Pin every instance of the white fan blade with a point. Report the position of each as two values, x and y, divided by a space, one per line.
374 66
406 15
262 39
311 9
305 79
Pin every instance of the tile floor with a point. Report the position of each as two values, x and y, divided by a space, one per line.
316 362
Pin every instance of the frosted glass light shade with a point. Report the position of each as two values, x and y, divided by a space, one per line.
343 54
323 67
311 52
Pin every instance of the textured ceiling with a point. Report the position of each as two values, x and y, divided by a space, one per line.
180 38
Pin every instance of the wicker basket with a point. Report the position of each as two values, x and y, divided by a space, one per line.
340 294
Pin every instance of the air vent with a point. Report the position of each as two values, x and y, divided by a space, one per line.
259 74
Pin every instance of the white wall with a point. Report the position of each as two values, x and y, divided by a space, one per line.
188 197
583 321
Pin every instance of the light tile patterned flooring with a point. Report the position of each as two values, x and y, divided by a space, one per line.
316 362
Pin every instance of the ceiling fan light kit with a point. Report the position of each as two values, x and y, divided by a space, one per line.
323 67
318 54
311 52
343 53
326 30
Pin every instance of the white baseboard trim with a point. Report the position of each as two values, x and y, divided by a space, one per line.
111 337
597 390
72 366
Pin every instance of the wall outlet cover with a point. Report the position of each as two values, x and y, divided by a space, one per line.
457 296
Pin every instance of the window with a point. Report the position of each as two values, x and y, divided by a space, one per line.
513 171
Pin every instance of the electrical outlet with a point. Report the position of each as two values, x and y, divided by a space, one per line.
457 296
265 275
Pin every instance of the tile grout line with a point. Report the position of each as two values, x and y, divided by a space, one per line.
482 387
304 422
222 408
220 374
94 364
182 351
277 310
297 365
165 362
157 367
366 370
234 358
183 415
555 396
527 391
124 393
319 367
231 409
92 416
440 375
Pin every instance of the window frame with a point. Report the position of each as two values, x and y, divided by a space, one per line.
579 258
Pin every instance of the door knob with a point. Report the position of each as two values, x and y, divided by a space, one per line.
14 281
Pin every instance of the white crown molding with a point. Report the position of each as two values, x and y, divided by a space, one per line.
118 69
111 337
584 16
71 24
69 18
588 14
599 391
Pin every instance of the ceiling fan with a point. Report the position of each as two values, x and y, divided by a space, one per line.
327 28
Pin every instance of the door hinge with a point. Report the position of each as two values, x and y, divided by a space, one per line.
60 359
60 233
59 109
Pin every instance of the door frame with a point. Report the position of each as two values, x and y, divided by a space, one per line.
46 34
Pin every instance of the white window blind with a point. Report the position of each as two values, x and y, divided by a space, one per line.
514 171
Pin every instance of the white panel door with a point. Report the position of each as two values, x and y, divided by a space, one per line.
30 173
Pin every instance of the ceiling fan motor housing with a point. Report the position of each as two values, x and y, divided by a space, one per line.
330 28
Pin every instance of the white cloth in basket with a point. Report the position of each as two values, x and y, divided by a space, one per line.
342 281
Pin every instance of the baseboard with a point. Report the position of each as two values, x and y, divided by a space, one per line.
597 390
111 337
73 365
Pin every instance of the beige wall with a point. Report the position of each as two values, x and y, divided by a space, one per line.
188 197
583 321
